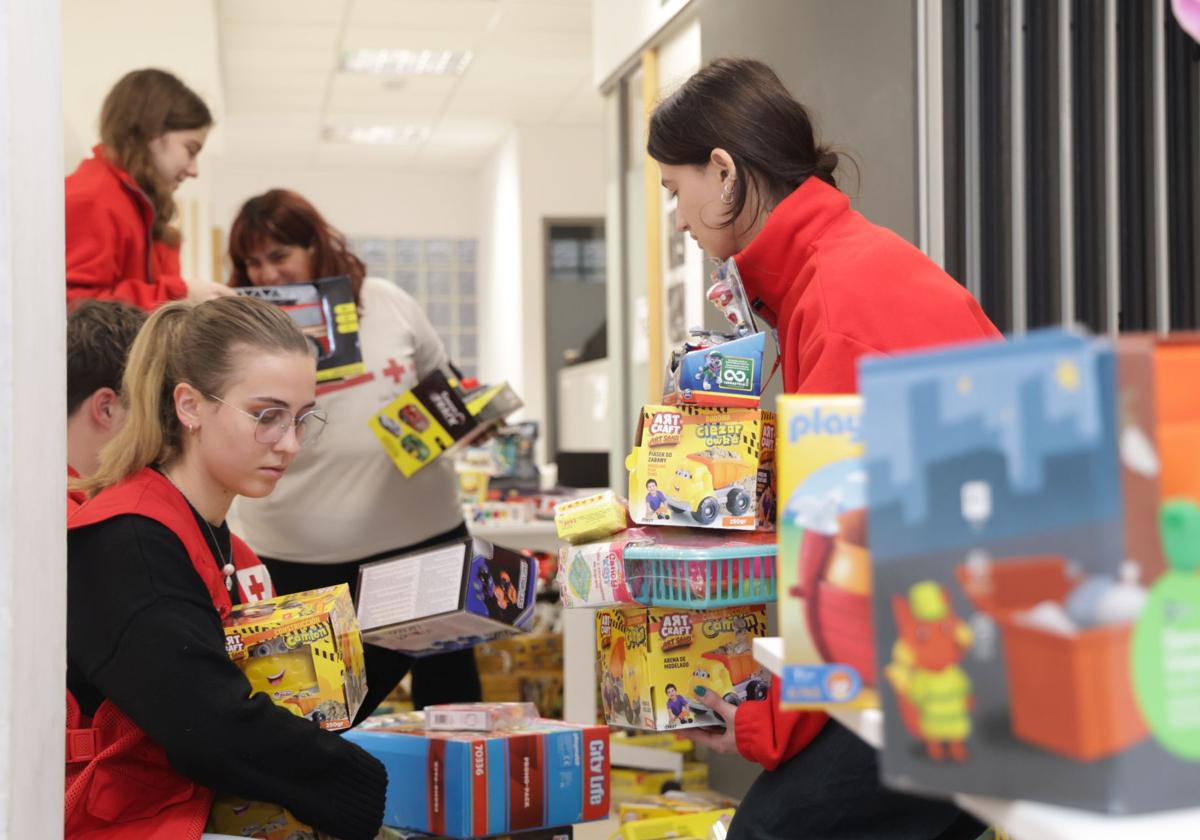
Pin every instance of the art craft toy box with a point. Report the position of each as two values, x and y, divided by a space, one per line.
261 820
703 467
451 597
326 313
472 784
304 651
654 664
717 372
824 564
437 416
1036 547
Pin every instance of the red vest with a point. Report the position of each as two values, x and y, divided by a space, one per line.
119 783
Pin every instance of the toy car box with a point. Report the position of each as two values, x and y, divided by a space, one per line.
1032 641
824 564
590 518
436 416
655 663
446 598
703 467
326 313
724 373
471 784
304 651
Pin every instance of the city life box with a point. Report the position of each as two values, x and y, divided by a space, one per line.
703 468
326 313
472 784
1036 546
824 564
655 663
450 597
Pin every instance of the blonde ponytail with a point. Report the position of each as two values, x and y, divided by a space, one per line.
191 343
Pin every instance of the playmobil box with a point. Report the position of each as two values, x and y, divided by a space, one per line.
824 564
717 372
704 468
326 313
450 597
304 651
654 664
436 416
472 784
1036 545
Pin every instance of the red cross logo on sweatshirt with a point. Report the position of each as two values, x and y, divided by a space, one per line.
256 588
394 370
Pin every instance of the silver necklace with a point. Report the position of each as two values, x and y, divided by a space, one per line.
227 568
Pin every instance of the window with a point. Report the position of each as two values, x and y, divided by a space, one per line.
441 275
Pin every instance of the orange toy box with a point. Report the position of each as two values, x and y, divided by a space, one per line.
1035 539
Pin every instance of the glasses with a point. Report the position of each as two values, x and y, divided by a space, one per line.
271 424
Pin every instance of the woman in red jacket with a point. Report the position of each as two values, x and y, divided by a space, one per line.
119 202
752 183
221 398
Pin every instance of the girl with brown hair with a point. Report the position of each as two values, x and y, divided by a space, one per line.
346 504
754 184
220 399
119 202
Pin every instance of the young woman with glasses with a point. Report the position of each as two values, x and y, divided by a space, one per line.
220 400
346 504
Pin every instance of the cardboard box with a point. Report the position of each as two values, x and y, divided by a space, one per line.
595 575
561 832
703 467
824 563
479 717
326 313
521 654
451 597
304 651
469 784
589 519
725 374
653 660
436 416
1033 643
243 818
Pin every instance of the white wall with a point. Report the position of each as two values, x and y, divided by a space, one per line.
621 28
33 415
538 173
359 201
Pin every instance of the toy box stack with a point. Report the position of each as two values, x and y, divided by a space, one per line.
1036 541
449 597
525 668
305 652
824 564
479 783
681 596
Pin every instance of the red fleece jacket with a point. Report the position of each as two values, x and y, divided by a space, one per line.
839 288
111 253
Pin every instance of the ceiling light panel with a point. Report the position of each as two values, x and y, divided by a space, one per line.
383 62
377 135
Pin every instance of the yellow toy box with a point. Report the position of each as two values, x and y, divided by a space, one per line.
655 663
262 820
703 468
590 518
304 651
436 416
823 561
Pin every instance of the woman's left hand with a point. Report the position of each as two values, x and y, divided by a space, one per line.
723 741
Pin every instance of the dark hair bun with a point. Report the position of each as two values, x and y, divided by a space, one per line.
827 163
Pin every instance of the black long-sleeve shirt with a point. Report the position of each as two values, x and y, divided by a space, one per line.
143 633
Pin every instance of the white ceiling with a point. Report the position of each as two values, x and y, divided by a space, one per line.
279 59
